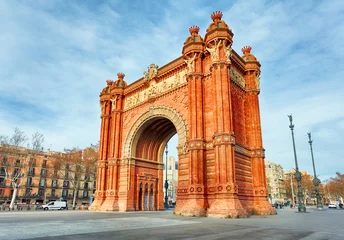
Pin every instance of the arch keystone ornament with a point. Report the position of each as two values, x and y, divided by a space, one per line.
209 98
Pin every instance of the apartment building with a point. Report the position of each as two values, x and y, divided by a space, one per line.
172 178
44 180
274 179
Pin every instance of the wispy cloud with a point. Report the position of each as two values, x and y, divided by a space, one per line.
57 55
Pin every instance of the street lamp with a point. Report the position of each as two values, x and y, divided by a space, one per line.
316 180
302 207
292 188
166 182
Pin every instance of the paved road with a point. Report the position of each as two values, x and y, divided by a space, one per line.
164 225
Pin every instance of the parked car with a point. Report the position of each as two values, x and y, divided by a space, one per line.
59 205
332 205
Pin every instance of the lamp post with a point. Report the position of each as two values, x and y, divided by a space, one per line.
302 207
292 188
166 182
316 180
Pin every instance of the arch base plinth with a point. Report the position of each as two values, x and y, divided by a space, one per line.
263 207
227 208
110 205
190 208
96 205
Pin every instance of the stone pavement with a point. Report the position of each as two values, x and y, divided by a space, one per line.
164 225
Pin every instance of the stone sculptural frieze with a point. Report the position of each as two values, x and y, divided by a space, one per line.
156 89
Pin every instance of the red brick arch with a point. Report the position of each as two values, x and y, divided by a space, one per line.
154 112
209 97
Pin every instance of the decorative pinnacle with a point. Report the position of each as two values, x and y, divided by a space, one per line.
120 76
194 29
109 82
216 15
246 49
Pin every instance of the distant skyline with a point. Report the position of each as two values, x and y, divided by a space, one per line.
57 55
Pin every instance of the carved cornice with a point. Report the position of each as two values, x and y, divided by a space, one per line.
178 64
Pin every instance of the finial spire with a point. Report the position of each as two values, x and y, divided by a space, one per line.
120 76
194 29
216 15
246 49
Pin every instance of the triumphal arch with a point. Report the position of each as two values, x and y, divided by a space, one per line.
209 98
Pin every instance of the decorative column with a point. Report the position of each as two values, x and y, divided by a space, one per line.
298 176
192 201
116 110
260 204
218 43
105 108
316 180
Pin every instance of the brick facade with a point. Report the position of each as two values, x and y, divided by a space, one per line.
209 97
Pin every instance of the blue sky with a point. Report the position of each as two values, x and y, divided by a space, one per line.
57 55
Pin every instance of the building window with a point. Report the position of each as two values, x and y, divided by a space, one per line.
18 162
16 172
1 191
53 192
65 183
29 181
31 171
44 164
55 172
41 192
85 194
85 185
2 171
2 181
43 172
32 162
28 191
42 182
64 193
54 183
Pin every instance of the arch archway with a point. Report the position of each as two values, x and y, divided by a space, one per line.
209 97
144 149
164 121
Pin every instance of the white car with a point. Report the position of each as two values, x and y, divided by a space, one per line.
332 205
59 205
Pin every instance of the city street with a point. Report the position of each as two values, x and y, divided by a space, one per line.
287 224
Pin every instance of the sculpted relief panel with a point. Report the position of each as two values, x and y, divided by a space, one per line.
156 89
237 78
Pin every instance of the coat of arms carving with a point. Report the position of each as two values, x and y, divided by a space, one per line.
151 72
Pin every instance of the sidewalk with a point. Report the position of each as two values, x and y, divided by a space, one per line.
287 224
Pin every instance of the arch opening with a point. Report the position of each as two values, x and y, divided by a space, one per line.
151 139
151 164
